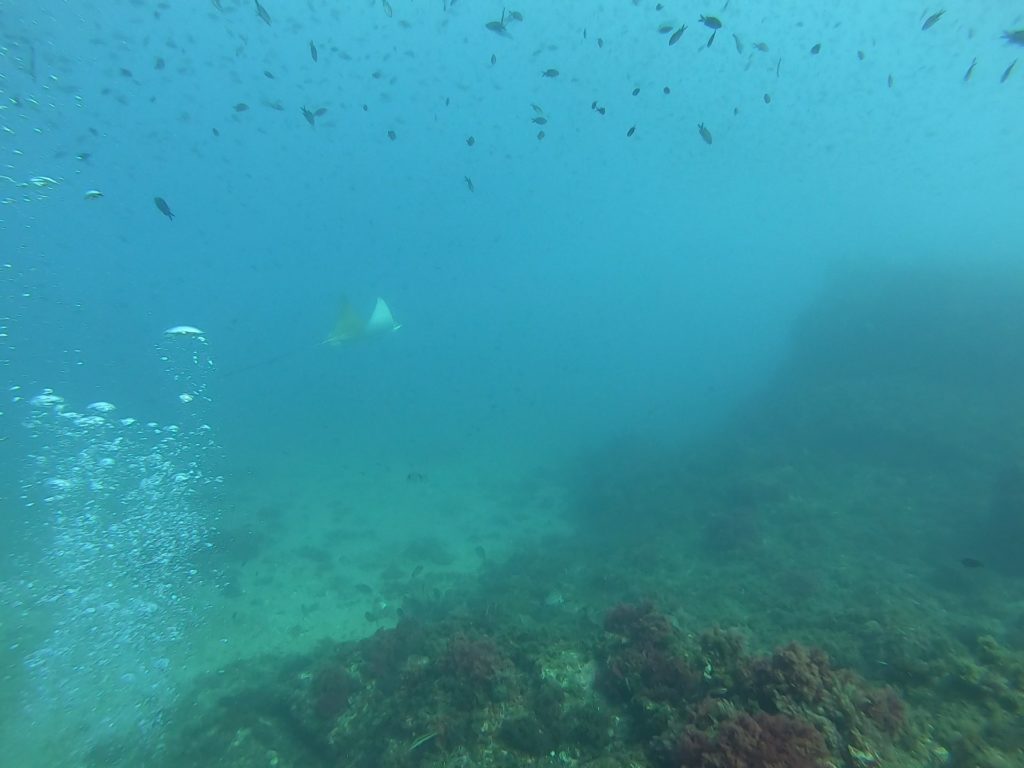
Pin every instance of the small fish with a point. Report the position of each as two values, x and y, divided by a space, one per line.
677 35
767 98
600 42
664 29
711 39
125 72
494 59
470 141
540 135
815 49
1008 71
517 16
704 133
321 111
215 132
392 135
552 73
159 63
163 207
931 20
630 132
469 183
312 51
1014 36
241 107
540 120
739 43
666 90
498 28
970 70
388 11
537 108
890 81
636 91
762 47
971 562
711 22
416 571
262 13
310 117
860 55
94 194
268 74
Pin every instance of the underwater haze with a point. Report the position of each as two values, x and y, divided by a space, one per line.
443 383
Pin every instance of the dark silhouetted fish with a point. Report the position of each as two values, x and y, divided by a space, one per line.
163 207
970 70
704 133
312 51
711 22
676 35
971 562
931 20
262 13
1008 71
1014 36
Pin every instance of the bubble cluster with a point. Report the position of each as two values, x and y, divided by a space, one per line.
129 507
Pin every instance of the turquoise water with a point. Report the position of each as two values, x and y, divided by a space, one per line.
763 377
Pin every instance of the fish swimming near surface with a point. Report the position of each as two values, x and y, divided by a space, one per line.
704 133
1014 36
931 20
262 13
970 70
312 51
163 207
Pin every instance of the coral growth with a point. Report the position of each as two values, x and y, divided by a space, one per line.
646 660
801 675
755 741
330 689
472 667
795 678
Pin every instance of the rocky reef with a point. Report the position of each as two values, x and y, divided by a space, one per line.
492 689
